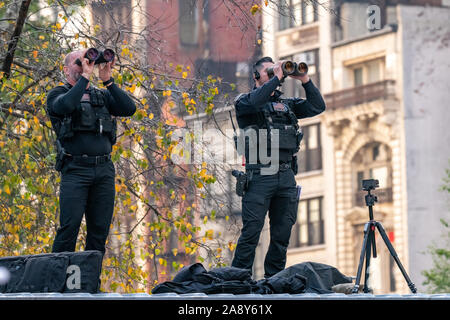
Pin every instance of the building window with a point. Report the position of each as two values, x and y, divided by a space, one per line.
351 17
294 13
373 161
357 77
367 72
113 17
309 228
310 154
188 22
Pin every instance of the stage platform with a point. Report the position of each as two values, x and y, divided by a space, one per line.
202 296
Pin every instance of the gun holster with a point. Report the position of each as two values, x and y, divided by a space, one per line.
60 156
294 165
241 182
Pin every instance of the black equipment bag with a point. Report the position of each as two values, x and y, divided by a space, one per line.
53 272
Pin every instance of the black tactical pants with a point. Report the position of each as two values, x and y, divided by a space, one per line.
276 193
85 189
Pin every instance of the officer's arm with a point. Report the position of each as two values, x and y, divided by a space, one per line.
63 102
252 102
313 105
119 103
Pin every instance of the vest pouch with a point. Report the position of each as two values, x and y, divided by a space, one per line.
250 134
87 117
109 128
299 137
288 139
65 129
104 125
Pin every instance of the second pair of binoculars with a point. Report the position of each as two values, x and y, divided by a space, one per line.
290 68
93 54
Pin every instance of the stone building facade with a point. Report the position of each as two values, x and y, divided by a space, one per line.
365 76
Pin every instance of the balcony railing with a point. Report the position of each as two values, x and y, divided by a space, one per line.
360 94
384 195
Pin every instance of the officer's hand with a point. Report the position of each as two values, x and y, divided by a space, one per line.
87 67
105 70
278 71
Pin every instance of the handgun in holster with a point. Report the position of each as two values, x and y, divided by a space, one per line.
241 182
60 156
294 165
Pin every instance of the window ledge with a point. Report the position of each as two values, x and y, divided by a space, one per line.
387 29
301 27
308 174
307 249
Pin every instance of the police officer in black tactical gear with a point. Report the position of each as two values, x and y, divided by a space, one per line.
83 119
264 108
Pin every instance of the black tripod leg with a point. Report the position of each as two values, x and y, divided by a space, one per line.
394 255
361 258
374 246
368 254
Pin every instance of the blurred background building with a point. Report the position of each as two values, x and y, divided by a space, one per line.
387 116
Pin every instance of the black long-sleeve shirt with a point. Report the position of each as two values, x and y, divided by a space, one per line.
249 106
62 101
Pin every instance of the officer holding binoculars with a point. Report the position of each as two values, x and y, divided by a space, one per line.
82 117
264 109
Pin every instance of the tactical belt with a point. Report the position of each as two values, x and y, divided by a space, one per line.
85 159
257 167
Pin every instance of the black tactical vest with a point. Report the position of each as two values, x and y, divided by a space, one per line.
89 116
278 115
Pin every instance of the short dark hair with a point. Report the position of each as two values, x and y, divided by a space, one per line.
257 64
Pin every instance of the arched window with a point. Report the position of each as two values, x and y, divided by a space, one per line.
373 161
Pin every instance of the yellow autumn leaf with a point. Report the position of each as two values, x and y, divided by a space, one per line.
254 9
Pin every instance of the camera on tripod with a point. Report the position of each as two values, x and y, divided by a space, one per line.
369 244
370 184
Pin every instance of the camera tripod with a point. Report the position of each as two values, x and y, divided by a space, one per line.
369 242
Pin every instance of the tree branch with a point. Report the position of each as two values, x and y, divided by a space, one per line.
15 37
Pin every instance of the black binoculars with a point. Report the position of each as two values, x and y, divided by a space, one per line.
290 68
93 54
